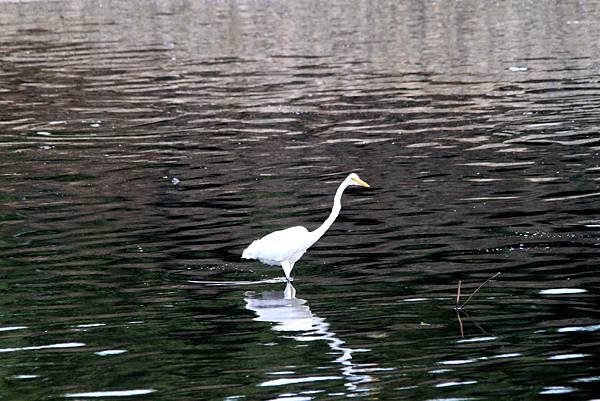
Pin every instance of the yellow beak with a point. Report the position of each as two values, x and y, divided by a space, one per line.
361 182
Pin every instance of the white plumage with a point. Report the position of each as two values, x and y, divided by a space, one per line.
284 247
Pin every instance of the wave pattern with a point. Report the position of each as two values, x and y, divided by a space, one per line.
142 146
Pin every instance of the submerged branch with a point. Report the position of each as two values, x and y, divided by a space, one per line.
460 324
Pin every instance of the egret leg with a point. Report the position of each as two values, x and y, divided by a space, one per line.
287 269
289 292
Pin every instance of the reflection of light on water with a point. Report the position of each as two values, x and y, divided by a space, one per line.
509 355
458 361
567 356
415 299
117 393
481 358
26 377
453 399
110 352
476 339
587 379
594 327
286 397
291 314
282 382
452 384
557 390
562 291
89 325
40 347
439 371
238 283
12 328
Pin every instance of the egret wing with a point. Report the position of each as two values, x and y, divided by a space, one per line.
278 246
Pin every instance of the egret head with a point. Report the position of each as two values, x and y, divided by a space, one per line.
354 179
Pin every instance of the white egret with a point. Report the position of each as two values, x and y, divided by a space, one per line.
284 248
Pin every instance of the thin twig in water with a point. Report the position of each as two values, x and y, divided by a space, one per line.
477 289
458 294
462 332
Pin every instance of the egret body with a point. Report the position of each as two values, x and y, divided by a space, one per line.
284 247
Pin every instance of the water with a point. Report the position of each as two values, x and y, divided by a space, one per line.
143 145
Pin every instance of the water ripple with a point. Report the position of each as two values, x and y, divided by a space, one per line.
143 147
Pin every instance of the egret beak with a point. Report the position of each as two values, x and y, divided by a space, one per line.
360 182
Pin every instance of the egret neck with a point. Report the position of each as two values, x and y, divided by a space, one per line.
335 211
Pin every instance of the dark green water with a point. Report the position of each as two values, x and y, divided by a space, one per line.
143 145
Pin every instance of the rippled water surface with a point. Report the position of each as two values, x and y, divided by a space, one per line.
143 145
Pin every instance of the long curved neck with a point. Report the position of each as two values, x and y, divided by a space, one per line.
335 211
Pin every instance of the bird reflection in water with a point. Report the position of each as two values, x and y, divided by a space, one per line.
291 314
